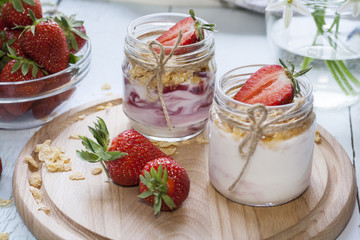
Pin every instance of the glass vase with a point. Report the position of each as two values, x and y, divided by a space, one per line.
326 39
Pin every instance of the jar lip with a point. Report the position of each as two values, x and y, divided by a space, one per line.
303 81
133 24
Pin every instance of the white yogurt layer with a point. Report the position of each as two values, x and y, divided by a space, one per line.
277 172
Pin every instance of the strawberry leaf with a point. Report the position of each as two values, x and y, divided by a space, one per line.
25 68
29 2
16 66
17 4
168 201
34 71
2 53
73 41
145 194
87 156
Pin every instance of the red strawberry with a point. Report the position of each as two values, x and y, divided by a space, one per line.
271 85
168 181
12 39
191 29
74 31
43 107
47 46
16 12
2 26
25 89
53 82
123 170
5 116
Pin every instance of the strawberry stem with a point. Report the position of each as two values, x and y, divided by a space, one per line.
98 151
199 26
156 182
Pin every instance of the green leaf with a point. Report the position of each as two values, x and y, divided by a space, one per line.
145 194
192 14
145 182
73 42
29 2
16 66
302 72
157 205
165 177
80 34
160 171
25 68
116 155
32 15
32 29
2 53
153 172
168 201
87 156
74 59
10 50
17 4
35 70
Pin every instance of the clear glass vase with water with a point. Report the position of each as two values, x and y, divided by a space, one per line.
328 40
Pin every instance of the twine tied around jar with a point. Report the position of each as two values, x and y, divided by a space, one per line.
260 126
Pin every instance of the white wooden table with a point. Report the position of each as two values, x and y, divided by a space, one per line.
241 40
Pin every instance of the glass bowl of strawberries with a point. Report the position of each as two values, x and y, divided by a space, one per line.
42 62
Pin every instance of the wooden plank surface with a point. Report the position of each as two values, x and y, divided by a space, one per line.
94 208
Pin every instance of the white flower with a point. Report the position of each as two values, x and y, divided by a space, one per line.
348 4
289 5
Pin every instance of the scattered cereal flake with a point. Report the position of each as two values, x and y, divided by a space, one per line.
54 157
107 106
5 202
109 94
96 170
35 180
106 86
4 236
73 136
36 194
45 144
31 161
202 140
44 208
77 176
81 117
169 150
186 142
317 137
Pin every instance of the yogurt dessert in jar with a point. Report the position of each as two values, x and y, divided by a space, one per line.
169 75
261 136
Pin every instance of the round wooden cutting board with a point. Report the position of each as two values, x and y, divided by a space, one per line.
96 209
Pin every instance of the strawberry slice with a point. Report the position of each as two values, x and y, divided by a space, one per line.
192 32
271 85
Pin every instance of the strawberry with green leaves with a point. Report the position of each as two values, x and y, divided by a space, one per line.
164 184
192 32
45 43
16 12
74 31
271 85
124 158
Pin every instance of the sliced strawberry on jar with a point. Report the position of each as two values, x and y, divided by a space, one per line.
16 12
192 32
164 184
271 85
45 43
123 159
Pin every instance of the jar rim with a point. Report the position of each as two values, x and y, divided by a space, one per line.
305 86
135 22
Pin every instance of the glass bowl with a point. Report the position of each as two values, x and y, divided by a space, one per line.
56 92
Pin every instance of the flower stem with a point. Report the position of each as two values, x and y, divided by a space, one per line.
337 79
348 74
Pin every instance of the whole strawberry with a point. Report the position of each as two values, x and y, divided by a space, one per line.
45 43
16 12
15 72
124 158
271 85
74 31
164 183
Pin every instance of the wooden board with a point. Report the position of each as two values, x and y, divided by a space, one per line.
95 209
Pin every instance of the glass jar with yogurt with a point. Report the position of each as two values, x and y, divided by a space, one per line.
177 107
260 155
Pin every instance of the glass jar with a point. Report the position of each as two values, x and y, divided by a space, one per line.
173 104
260 156
328 40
